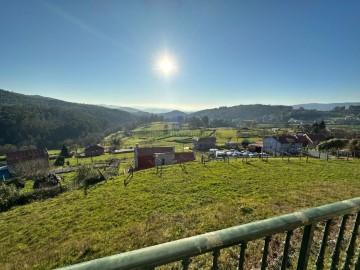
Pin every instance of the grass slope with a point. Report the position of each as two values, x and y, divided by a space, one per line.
113 217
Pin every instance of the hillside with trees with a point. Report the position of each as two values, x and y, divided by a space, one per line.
227 116
240 113
35 120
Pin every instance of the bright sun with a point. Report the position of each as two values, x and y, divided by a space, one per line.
166 65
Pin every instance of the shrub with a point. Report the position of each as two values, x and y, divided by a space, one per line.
88 175
16 181
38 194
47 181
60 160
354 147
8 194
333 144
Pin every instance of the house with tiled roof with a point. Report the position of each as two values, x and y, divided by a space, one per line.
275 145
32 159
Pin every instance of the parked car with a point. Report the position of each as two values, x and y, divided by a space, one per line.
244 153
253 154
220 154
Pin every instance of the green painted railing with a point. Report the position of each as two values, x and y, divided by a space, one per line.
184 250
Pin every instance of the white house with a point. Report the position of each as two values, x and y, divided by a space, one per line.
283 144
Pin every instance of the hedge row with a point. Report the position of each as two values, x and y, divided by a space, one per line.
9 198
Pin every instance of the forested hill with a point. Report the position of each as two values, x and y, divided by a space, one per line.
36 120
247 112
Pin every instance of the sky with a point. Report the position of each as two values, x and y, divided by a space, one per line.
222 53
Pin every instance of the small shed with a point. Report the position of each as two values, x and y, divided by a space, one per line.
94 150
255 147
203 144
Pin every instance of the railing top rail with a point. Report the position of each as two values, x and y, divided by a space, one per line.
196 245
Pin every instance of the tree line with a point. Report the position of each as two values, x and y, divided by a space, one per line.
43 122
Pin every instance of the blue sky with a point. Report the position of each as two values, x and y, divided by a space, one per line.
227 52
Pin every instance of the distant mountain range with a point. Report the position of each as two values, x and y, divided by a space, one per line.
246 112
138 109
325 106
168 113
174 114
126 109
43 121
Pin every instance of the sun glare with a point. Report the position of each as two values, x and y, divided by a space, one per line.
166 65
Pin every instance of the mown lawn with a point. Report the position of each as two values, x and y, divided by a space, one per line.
125 214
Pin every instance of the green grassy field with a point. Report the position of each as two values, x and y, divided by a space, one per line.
155 134
124 214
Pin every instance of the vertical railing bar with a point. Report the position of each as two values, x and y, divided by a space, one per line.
351 248
305 247
321 256
243 247
215 254
286 250
357 264
265 253
336 254
185 263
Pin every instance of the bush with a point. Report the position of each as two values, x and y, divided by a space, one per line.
8 195
354 147
17 182
88 175
39 194
60 160
333 144
47 181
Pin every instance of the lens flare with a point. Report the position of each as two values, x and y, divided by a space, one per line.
166 65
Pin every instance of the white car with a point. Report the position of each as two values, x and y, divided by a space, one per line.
220 154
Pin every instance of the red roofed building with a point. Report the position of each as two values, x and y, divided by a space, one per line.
148 157
145 157
32 159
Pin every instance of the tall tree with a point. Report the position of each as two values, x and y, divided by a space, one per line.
205 120
64 152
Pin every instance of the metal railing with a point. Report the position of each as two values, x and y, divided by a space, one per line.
328 253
